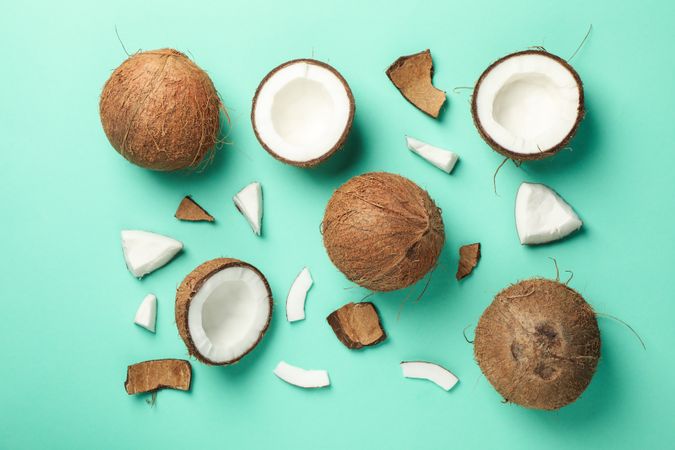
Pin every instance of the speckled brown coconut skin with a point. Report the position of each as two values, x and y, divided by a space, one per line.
160 110
343 137
538 344
149 376
191 285
545 153
382 231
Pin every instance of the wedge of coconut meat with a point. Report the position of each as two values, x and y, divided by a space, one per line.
429 371
301 377
249 202
439 157
146 315
145 252
295 302
302 112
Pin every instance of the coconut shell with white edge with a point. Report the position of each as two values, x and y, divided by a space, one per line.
160 110
538 344
302 112
528 105
223 309
382 231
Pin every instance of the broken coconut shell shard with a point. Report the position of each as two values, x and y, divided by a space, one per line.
528 105
297 295
160 110
149 376
223 309
190 211
469 255
439 157
357 325
538 344
382 231
146 315
145 252
302 112
412 76
542 215
249 202
301 377
429 371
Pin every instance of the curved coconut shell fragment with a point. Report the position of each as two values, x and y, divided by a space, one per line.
469 255
412 76
357 325
149 376
538 344
190 211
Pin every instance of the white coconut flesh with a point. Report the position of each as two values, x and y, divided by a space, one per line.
302 111
145 252
297 295
429 371
528 103
439 157
300 377
146 315
542 215
249 202
228 313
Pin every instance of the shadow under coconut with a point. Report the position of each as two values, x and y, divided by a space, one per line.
342 160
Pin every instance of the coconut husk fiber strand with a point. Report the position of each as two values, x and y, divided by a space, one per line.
149 376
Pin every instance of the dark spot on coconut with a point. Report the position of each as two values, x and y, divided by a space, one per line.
545 371
547 336
516 350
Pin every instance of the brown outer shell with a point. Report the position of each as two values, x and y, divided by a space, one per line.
149 376
538 344
357 325
343 138
581 111
433 99
191 285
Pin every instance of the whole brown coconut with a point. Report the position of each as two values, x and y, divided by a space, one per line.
160 110
538 343
382 231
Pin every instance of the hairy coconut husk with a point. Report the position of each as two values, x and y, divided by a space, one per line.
191 285
469 255
160 110
149 376
382 231
538 343
412 76
357 325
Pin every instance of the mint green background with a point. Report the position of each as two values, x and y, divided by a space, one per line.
68 301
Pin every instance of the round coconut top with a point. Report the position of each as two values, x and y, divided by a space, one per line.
538 344
382 231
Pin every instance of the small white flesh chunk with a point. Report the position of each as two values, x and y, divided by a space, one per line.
301 377
249 202
429 371
146 315
145 252
295 302
441 158
542 215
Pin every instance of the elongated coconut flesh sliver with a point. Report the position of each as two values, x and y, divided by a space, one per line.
412 76
160 110
189 210
301 377
469 255
441 158
223 309
542 215
249 202
295 302
146 315
150 376
429 371
145 252
357 325
302 112
528 105
538 344
382 231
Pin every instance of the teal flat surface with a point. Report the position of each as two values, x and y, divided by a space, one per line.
68 301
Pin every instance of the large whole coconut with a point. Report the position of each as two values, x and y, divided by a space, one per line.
538 343
160 110
382 231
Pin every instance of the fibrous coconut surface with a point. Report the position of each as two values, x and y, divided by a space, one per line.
145 252
357 325
189 210
412 76
469 255
148 376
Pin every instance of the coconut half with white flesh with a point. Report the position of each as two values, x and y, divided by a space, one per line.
302 112
528 105
542 215
223 309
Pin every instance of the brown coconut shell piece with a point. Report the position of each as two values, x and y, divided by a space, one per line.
150 376
357 325
412 76
538 344
469 255
189 210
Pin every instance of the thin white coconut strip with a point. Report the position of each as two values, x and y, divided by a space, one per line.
295 302
249 202
146 315
145 252
301 377
542 215
439 157
429 371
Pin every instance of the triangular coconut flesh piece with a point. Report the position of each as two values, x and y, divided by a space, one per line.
429 371
249 202
468 259
150 376
189 210
439 157
301 377
145 252
542 215
146 315
412 76
295 302
357 325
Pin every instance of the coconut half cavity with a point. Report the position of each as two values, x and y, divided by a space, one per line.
528 105
542 215
302 112
223 309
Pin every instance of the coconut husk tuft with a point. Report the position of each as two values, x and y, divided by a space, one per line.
469 255
357 325
160 110
149 376
538 344
382 231
412 76
189 210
